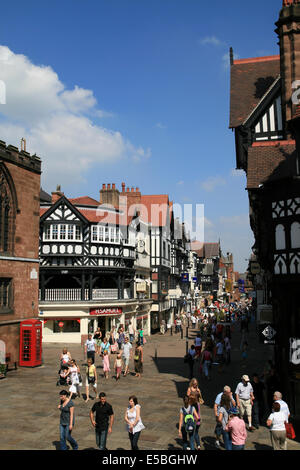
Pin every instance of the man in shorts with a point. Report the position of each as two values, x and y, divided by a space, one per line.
126 355
244 399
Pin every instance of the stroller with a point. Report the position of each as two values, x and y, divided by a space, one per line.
63 378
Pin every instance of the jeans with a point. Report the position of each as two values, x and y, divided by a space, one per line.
185 439
101 437
196 435
65 435
134 440
227 440
241 447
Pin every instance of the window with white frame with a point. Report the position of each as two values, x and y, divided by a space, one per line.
100 233
55 232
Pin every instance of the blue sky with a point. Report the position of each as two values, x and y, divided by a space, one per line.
135 91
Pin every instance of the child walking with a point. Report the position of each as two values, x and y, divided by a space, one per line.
118 366
106 368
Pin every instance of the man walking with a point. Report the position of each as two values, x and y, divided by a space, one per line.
244 399
90 347
283 405
258 402
67 420
102 418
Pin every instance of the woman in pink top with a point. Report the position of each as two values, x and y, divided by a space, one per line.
237 429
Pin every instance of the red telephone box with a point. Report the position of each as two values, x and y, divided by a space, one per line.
30 343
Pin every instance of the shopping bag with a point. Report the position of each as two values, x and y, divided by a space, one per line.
290 432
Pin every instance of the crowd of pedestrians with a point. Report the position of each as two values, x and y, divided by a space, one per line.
251 403
254 403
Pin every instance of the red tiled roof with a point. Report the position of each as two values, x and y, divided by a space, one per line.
85 201
250 80
270 161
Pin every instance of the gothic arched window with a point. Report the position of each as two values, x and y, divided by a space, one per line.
7 211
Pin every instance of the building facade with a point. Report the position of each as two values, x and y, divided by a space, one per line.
19 244
265 117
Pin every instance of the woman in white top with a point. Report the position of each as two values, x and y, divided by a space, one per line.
276 422
73 373
134 422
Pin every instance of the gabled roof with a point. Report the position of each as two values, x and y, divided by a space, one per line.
46 212
250 80
206 250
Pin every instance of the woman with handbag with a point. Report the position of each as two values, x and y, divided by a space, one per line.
196 400
134 422
276 422
91 378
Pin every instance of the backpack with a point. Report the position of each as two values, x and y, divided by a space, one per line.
189 420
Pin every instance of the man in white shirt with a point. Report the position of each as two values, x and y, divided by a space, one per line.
89 348
283 405
131 332
244 399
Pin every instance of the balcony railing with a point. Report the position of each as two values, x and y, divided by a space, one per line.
57 295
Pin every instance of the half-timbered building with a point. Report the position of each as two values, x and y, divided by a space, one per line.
264 115
88 258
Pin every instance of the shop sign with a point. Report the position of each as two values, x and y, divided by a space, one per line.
184 277
267 333
106 311
195 279
141 287
254 267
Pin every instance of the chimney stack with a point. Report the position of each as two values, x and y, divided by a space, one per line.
56 195
109 195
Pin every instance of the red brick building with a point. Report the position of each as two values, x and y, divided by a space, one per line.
19 243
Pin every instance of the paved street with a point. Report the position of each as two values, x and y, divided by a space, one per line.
29 399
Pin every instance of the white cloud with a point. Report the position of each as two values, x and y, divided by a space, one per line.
57 122
211 41
159 125
210 184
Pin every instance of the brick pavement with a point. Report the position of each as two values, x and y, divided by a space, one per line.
29 398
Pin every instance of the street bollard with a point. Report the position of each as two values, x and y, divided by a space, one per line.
155 354
187 347
171 330
187 332
181 329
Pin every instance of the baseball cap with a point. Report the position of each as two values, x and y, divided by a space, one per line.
246 378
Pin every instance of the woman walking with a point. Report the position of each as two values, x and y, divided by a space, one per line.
106 366
196 400
138 360
91 378
276 423
97 337
105 346
74 372
134 422
187 424
206 362
223 417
